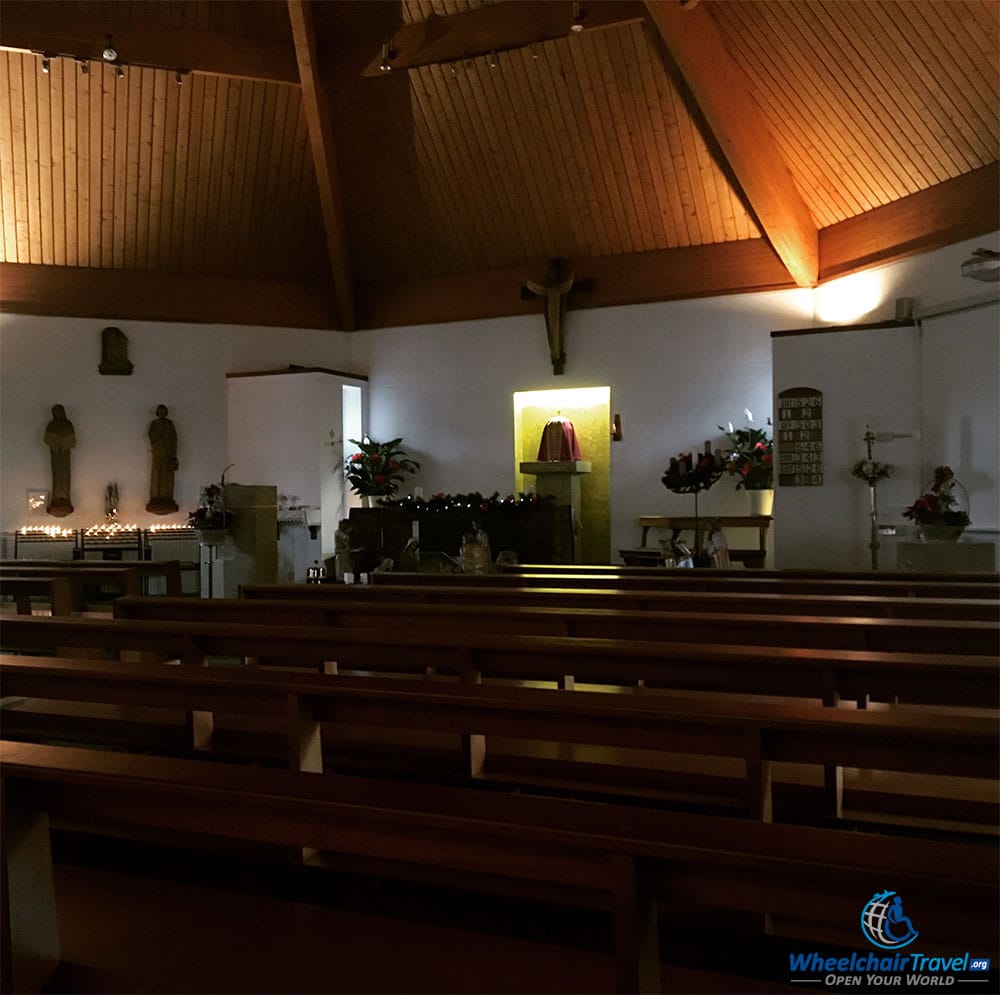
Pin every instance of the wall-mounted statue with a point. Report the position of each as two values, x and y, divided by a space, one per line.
114 353
60 437
163 442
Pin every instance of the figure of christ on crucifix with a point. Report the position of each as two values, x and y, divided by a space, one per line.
555 290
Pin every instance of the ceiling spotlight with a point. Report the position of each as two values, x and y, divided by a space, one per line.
385 65
110 53
119 72
983 265
493 60
578 16
84 67
46 66
179 79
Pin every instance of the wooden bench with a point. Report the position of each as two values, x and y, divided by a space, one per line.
56 592
390 596
123 576
938 635
184 705
614 858
748 581
824 674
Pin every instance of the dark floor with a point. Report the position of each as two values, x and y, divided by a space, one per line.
171 928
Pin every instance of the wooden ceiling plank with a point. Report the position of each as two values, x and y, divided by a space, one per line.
119 172
611 63
672 218
488 161
155 197
57 91
814 123
70 157
584 179
473 160
248 229
665 106
570 179
942 215
32 201
316 108
229 190
443 162
884 111
610 203
181 174
720 90
495 28
954 74
274 129
533 158
242 179
11 149
30 27
43 104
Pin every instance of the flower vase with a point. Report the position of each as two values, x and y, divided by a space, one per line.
939 533
211 537
761 501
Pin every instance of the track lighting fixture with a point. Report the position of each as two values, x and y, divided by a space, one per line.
493 59
46 66
578 15
386 64
120 72
84 67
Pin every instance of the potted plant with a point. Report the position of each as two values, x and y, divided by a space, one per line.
750 459
212 519
935 510
375 471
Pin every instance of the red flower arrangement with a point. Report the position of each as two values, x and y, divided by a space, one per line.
377 468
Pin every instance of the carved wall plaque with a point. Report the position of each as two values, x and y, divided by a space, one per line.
114 353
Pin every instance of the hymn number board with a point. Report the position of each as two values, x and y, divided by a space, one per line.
800 437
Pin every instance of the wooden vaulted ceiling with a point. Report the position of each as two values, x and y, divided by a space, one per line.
251 162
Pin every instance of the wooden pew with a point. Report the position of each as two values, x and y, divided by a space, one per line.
616 569
56 592
824 674
759 735
123 576
391 596
937 635
897 585
618 859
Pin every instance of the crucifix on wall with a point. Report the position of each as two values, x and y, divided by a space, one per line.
555 290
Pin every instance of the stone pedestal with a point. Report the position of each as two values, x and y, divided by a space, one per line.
561 480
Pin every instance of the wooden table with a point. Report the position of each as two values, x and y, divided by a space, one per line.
703 524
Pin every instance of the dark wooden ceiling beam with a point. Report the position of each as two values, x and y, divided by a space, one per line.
120 295
316 106
672 274
958 209
31 27
738 127
497 28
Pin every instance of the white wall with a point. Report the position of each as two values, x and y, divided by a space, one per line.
46 361
677 370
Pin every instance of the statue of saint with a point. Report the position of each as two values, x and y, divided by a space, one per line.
163 442
60 437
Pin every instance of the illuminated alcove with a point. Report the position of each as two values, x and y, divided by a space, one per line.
589 409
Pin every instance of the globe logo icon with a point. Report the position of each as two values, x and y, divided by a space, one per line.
884 924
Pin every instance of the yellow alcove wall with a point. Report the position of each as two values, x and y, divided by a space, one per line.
589 409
